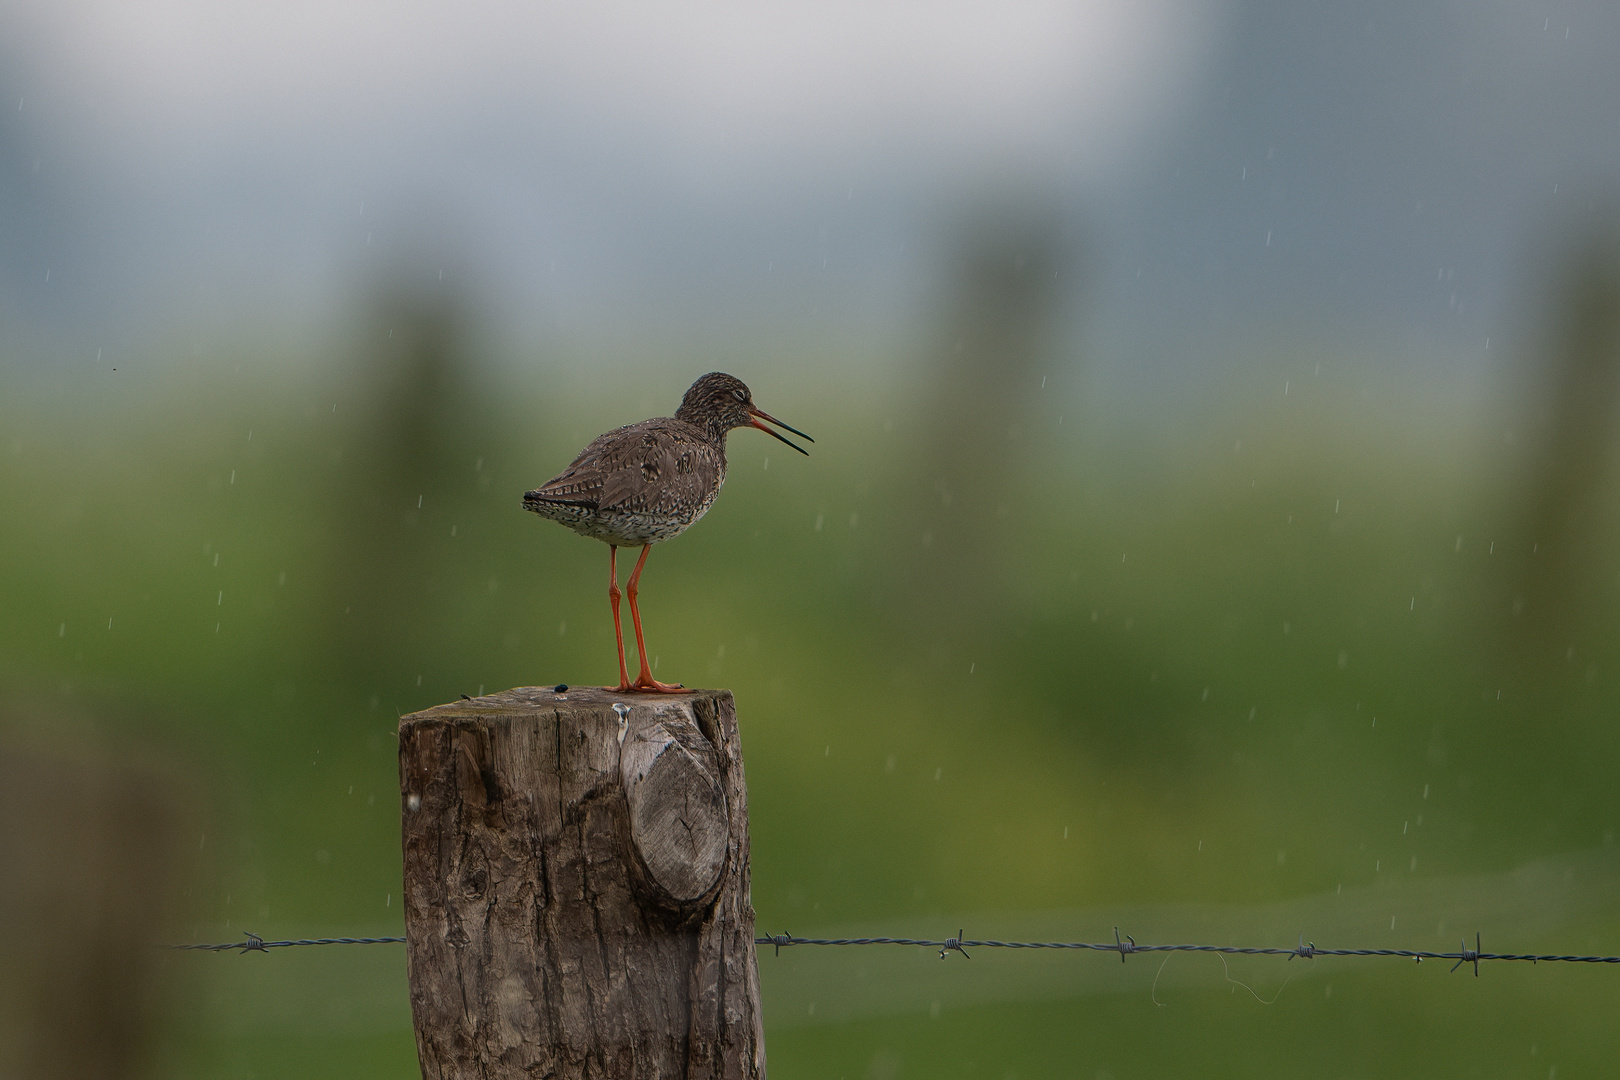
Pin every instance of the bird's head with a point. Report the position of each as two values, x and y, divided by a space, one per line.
719 402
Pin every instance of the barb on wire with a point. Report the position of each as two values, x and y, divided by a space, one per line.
1127 945
254 943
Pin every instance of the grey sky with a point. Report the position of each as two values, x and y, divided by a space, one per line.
1221 169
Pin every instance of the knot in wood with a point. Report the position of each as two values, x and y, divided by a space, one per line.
678 819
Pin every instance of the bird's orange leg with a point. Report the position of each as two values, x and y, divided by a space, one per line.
618 629
645 681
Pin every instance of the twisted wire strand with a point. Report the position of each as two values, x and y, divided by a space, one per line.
1124 946
254 943
1127 945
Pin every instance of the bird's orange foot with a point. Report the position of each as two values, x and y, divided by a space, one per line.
646 685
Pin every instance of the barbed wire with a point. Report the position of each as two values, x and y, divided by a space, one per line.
1125 946
254 943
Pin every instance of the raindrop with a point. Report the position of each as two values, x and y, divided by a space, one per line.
818 522
854 520
216 558
109 623
453 529
419 499
562 628
61 631
939 772
1065 832
418 680
971 667
221 601
233 476
767 465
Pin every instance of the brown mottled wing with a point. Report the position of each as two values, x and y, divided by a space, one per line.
659 467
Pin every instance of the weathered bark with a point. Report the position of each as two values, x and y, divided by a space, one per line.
576 887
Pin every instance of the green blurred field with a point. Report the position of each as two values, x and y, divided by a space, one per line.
1237 654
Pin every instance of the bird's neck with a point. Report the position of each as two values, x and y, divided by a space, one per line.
713 430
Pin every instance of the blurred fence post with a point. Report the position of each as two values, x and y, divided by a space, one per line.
577 887
90 857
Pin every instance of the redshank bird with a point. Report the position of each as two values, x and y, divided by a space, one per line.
648 482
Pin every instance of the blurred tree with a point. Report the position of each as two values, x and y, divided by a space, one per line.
1559 582
964 488
404 487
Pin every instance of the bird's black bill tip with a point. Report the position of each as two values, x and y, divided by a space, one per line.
760 415
783 438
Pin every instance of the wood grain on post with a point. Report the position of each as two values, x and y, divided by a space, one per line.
577 888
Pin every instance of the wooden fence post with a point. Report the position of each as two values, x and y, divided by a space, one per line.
577 888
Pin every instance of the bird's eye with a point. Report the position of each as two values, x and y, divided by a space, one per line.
739 395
